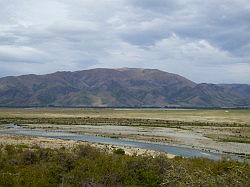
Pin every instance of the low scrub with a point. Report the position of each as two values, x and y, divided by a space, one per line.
119 151
87 166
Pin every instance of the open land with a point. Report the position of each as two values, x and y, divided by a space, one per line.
225 130
36 161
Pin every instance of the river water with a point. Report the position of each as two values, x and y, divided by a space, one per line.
176 150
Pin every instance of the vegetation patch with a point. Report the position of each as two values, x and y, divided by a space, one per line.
230 138
115 121
235 139
22 146
87 166
119 151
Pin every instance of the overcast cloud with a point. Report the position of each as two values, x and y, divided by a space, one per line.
205 41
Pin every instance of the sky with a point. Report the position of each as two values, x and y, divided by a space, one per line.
205 41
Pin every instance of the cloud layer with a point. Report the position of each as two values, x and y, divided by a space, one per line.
205 41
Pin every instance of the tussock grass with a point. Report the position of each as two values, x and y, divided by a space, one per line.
115 121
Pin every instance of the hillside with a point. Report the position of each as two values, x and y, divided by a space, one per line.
126 87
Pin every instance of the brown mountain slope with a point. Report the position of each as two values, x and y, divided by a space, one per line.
126 87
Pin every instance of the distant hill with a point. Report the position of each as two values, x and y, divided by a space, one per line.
126 87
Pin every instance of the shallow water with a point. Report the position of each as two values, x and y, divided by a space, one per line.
179 151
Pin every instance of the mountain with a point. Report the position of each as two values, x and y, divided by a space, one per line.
125 87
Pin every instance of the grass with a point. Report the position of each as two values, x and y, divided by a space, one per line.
114 121
234 139
214 116
229 138
22 146
22 165
87 166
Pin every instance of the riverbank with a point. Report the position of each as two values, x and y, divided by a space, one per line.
215 131
202 138
29 142
176 150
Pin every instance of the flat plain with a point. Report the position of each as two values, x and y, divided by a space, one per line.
42 161
189 115
223 130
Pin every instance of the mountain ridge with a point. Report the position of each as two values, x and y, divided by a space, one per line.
123 87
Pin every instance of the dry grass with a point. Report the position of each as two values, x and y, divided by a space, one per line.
218 116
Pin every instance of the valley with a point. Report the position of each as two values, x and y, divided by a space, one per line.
218 131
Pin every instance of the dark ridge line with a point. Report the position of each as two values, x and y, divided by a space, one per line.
126 107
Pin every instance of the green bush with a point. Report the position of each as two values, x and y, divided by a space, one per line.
119 151
87 166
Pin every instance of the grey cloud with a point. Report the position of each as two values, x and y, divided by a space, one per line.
21 54
156 5
224 23
205 37
74 27
144 38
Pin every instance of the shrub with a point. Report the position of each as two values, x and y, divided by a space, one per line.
87 166
119 151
